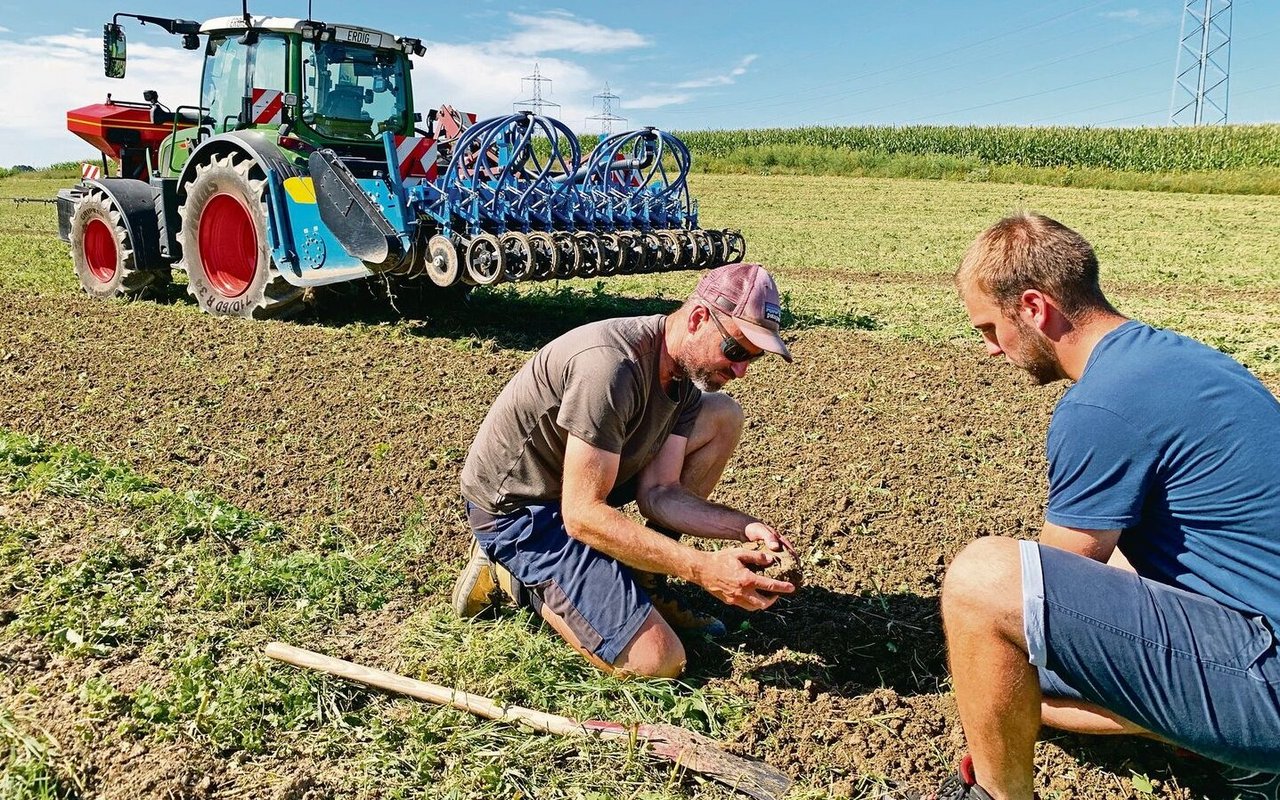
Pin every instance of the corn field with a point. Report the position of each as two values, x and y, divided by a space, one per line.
1127 149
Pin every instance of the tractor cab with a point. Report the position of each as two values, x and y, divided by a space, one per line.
305 84
324 85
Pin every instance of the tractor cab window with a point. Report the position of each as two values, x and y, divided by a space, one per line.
224 86
353 93
233 70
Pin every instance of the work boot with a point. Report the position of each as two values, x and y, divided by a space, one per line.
483 585
674 609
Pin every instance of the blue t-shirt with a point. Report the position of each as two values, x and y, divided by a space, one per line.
1178 446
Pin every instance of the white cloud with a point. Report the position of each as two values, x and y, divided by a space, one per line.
561 31
44 77
655 101
1138 17
720 80
3 29
477 79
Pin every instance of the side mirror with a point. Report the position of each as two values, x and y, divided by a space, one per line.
113 50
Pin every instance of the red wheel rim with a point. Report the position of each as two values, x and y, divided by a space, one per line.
228 245
100 250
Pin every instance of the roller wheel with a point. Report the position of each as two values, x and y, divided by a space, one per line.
517 256
688 249
674 258
735 247
546 256
103 255
570 254
589 245
443 267
703 251
224 243
716 238
486 261
632 252
611 254
656 256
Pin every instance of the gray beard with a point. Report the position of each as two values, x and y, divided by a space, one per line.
706 380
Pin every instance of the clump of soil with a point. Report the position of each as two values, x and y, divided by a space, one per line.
785 566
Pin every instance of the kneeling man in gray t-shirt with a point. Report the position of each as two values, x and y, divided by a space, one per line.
614 411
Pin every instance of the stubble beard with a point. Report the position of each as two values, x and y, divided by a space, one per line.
1037 358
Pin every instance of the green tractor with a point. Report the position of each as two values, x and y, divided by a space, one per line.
303 165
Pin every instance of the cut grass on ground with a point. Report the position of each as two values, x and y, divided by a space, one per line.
99 566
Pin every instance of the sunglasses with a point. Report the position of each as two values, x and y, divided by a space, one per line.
731 347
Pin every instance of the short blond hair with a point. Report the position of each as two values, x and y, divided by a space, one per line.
1031 251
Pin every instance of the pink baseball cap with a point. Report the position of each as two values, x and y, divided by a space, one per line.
747 293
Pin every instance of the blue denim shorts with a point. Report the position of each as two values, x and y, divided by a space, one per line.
595 594
1201 675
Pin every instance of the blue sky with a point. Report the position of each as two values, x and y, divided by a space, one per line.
691 64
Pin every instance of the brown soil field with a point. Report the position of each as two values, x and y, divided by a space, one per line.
879 457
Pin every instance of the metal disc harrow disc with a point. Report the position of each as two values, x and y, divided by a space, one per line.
485 260
570 254
545 255
716 238
611 253
688 250
442 263
703 252
632 247
674 249
735 247
589 245
517 256
656 257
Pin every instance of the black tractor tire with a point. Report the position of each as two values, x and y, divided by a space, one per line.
225 249
103 254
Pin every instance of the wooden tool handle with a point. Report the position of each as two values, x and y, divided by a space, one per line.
432 693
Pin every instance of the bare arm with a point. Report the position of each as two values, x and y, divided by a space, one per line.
1098 545
662 498
589 474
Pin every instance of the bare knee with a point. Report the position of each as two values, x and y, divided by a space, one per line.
655 651
723 414
984 583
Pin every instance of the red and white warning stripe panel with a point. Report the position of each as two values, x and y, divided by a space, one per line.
90 172
417 157
268 107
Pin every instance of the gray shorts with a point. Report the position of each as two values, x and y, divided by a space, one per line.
1201 675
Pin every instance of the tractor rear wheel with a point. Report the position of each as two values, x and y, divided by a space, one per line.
103 254
224 243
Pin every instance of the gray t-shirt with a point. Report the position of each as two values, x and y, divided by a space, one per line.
598 382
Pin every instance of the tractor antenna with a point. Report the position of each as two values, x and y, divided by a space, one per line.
245 6
308 10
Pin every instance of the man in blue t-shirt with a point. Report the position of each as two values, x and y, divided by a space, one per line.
1149 603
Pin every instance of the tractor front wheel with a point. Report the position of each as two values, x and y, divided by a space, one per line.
224 243
103 254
